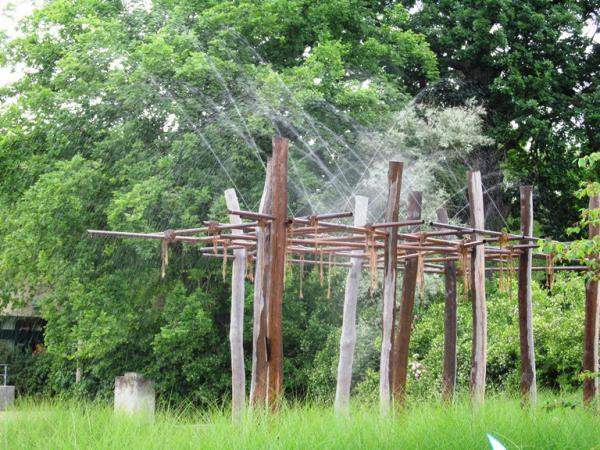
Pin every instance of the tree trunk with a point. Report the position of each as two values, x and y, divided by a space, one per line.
348 338
405 316
590 334
450 323
260 365
528 383
236 326
479 347
389 283
275 290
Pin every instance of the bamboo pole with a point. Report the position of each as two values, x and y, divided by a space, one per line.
479 347
348 338
260 365
405 316
528 378
275 290
389 283
590 333
450 323
236 325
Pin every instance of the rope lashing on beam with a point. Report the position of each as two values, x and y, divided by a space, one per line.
224 268
465 268
550 270
329 276
301 294
213 230
249 267
371 250
421 267
502 240
164 260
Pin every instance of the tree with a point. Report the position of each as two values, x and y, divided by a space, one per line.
134 118
534 65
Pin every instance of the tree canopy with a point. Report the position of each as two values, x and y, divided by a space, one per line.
136 115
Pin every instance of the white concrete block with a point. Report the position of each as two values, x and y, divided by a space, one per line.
134 393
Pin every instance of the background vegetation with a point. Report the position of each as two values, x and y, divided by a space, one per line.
137 118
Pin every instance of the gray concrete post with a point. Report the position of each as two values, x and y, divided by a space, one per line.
7 397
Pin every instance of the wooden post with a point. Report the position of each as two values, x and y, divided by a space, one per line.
528 382
590 332
450 322
405 316
258 380
275 290
479 347
348 338
236 324
389 283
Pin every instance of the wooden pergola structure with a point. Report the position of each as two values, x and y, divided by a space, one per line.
272 239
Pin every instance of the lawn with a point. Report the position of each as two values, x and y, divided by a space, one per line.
556 423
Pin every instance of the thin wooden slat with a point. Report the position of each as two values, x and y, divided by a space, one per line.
278 252
348 338
405 314
450 323
528 378
590 332
389 284
479 347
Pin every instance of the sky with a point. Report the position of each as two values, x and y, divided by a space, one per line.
11 11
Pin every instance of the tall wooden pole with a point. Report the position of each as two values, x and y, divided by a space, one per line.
479 347
348 338
389 283
528 382
590 332
278 250
236 324
260 365
450 322
405 316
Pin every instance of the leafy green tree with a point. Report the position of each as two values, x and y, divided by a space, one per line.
534 66
138 119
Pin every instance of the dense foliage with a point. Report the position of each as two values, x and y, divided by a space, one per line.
137 118
535 66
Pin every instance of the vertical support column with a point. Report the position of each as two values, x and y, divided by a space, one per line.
528 383
389 283
479 347
590 332
450 322
236 323
348 338
405 316
260 365
278 250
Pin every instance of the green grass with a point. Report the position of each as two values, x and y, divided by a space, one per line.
70 424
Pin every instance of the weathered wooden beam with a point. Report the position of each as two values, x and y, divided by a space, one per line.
236 323
479 346
482 231
278 251
405 315
260 364
528 378
389 283
348 338
590 331
450 322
